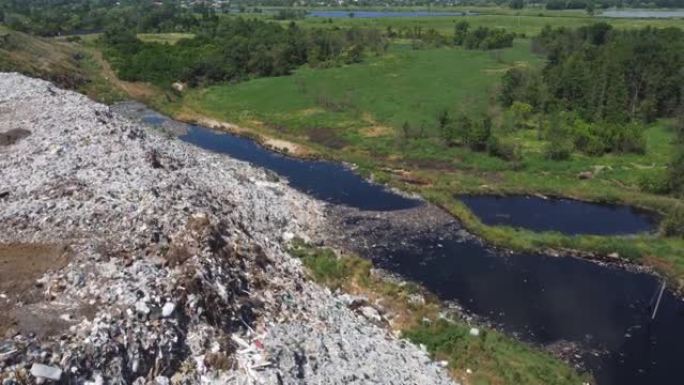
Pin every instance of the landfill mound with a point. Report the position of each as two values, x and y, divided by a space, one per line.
138 259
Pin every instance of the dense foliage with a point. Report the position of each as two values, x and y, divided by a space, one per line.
605 81
235 49
675 174
55 17
482 37
604 74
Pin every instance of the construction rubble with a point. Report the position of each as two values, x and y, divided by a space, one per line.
176 266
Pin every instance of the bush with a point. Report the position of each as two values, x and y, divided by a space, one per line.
482 37
628 139
504 149
655 182
595 139
673 224
521 113
475 135
675 173
558 149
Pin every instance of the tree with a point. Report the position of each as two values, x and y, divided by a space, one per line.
447 127
517 4
443 119
675 171
474 135
521 113
590 8
406 129
461 32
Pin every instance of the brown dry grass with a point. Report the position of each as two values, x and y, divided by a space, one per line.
136 90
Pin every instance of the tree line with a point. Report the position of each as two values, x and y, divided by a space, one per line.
234 49
483 38
59 17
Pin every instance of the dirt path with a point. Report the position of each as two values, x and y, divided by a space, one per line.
136 90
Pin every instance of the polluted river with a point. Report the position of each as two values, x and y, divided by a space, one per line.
605 316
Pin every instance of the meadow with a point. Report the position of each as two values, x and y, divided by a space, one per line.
528 21
355 98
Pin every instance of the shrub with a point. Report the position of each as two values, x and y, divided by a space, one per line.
521 113
673 224
655 182
475 135
595 139
675 173
558 149
504 149
628 138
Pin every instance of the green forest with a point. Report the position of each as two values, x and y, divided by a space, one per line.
236 49
600 87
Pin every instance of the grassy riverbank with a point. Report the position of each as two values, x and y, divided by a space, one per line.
486 359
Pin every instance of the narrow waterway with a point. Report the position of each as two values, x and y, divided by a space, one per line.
605 312
384 14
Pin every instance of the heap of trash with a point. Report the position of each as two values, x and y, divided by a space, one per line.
169 264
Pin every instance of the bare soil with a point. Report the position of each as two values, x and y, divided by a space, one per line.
21 265
13 136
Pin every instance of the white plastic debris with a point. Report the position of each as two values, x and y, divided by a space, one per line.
168 309
46 372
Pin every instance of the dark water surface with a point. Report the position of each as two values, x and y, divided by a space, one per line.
542 299
636 13
563 215
382 14
606 311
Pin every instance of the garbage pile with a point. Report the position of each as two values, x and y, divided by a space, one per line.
177 271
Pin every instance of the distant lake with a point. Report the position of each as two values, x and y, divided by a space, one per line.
644 13
383 14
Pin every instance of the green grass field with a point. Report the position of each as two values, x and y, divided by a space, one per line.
355 97
165 38
528 21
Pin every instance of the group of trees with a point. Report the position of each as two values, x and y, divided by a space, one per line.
605 81
57 17
604 74
236 49
479 38
482 37
478 134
